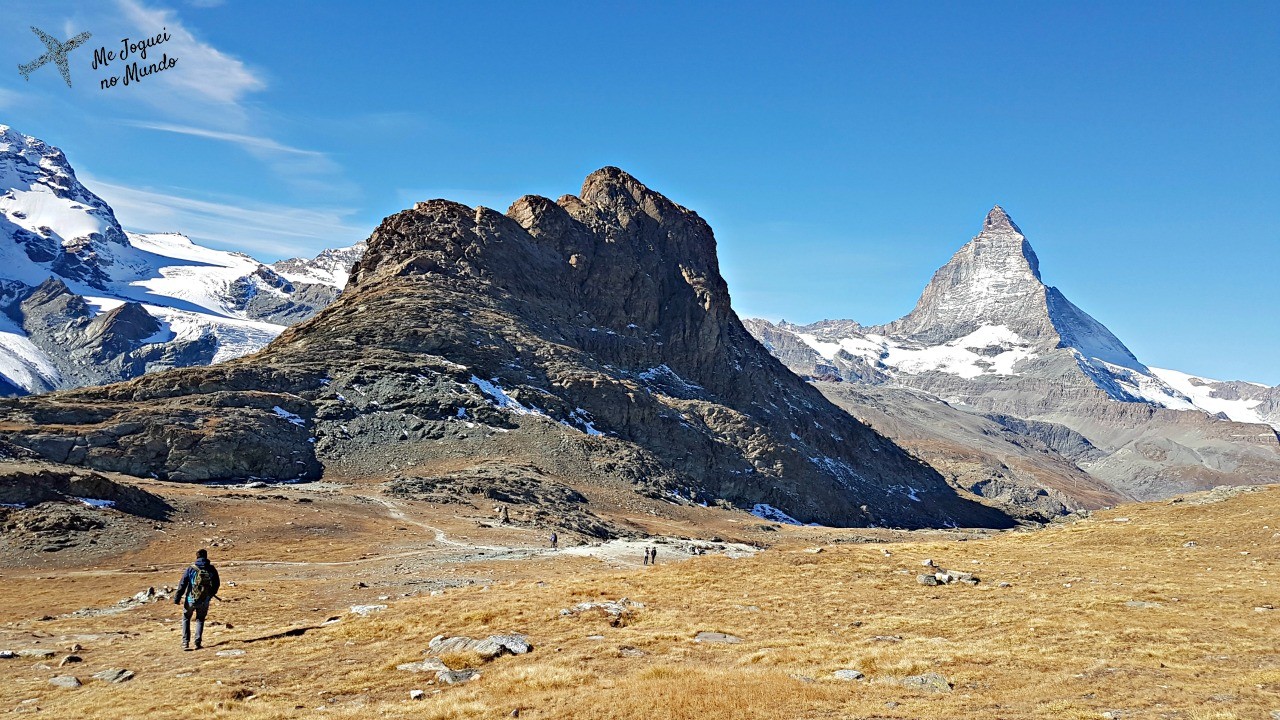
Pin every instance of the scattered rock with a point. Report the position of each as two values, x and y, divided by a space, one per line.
114 675
930 682
36 653
229 653
1005 584
487 648
70 659
928 580
1189 544
813 550
66 681
628 651
428 665
848 674
7 654
887 638
929 563
618 611
716 637
1142 604
416 694
454 677
366 610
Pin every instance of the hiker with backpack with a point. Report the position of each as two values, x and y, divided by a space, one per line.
198 588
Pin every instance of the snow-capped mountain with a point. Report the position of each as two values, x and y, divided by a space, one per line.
69 273
331 267
988 312
987 333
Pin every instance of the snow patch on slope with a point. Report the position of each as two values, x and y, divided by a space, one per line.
24 364
989 350
1201 392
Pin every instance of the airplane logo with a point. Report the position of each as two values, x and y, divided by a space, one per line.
57 53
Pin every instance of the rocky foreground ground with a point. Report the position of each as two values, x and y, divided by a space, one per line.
348 599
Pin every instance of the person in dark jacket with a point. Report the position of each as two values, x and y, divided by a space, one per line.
198 587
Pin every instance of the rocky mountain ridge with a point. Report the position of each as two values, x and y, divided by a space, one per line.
590 338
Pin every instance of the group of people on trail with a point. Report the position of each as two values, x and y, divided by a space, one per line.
198 587
651 556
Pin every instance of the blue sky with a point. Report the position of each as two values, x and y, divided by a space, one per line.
842 151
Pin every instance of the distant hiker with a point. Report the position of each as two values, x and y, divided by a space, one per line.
506 516
199 586
555 541
653 555
646 556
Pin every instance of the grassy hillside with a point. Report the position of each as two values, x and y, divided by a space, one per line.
1157 610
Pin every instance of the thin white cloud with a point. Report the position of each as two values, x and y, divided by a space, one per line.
265 230
206 74
250 142
309 171
9 98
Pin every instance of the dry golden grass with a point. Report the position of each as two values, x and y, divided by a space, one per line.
1059 642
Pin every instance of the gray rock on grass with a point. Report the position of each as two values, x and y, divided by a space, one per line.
455 677
929 682
717 638
114 675
487 648
428 665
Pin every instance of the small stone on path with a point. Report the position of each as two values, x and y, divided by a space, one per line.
416 694
848 674
229 653
66 681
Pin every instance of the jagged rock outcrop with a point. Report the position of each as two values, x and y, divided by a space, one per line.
988 335
590 338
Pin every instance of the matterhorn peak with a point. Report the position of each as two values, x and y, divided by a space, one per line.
999 220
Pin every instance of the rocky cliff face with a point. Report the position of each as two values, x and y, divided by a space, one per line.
590 338
987 334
